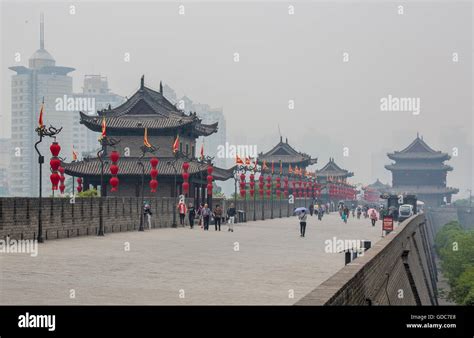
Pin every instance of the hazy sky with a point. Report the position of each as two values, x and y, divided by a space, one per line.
282 57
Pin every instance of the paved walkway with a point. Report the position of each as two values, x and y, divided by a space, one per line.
165 265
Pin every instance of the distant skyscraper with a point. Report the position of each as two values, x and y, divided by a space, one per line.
4 166
41 79
96 90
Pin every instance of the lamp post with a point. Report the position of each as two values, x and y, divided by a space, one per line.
151 149
105 142
42 132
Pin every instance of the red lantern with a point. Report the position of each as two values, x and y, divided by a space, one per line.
185 187
210 169
185 176
209 179
54 177
79 188
114 181
185 166
153 185
55 163
114 169
55 148
114 156
209 189
153 173
154 162
61 170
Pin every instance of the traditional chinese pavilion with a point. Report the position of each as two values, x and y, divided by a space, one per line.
333 180
420 170
373 191
286 155
126 123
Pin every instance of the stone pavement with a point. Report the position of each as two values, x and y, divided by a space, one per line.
272 265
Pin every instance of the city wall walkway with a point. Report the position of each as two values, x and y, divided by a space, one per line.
272 265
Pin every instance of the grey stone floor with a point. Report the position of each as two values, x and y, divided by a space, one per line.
182 266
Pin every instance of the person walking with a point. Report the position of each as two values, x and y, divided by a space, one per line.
199 213
191 215
346 213
231 215
302 216
182 212
147 213
373 217
206 214
311 209
217 214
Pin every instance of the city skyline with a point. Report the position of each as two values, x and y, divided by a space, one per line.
250 99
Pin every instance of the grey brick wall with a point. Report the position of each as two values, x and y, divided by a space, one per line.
63 219
398 270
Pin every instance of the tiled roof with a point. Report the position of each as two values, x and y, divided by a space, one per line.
150 109
130 166
286 154
332 169
418 149
419 166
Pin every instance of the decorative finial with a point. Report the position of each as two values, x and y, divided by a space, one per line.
161 88
142 82
281 139
287 140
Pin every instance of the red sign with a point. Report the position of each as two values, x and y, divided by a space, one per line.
387 224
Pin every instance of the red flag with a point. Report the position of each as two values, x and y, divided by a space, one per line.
202 151
273 168
176 144
74 155
238 160
104 127
145 139
40 120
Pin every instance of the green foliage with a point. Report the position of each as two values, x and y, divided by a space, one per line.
88 193
455 247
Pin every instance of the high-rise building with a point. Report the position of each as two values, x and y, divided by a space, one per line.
4 166
96 96
41 80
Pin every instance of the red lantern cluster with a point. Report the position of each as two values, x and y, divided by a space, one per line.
185 178
260 185
269 185
79 184
55 163
210 169
243 191
252 185
153 173
114 181
62 178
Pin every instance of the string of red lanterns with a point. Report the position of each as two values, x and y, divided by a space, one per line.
55 148
114 181
278 186
185 167
269 185
210 169
153 173
79 184
260 185
252 185
243 191
62 178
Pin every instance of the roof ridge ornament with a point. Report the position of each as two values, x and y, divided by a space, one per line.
142 82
